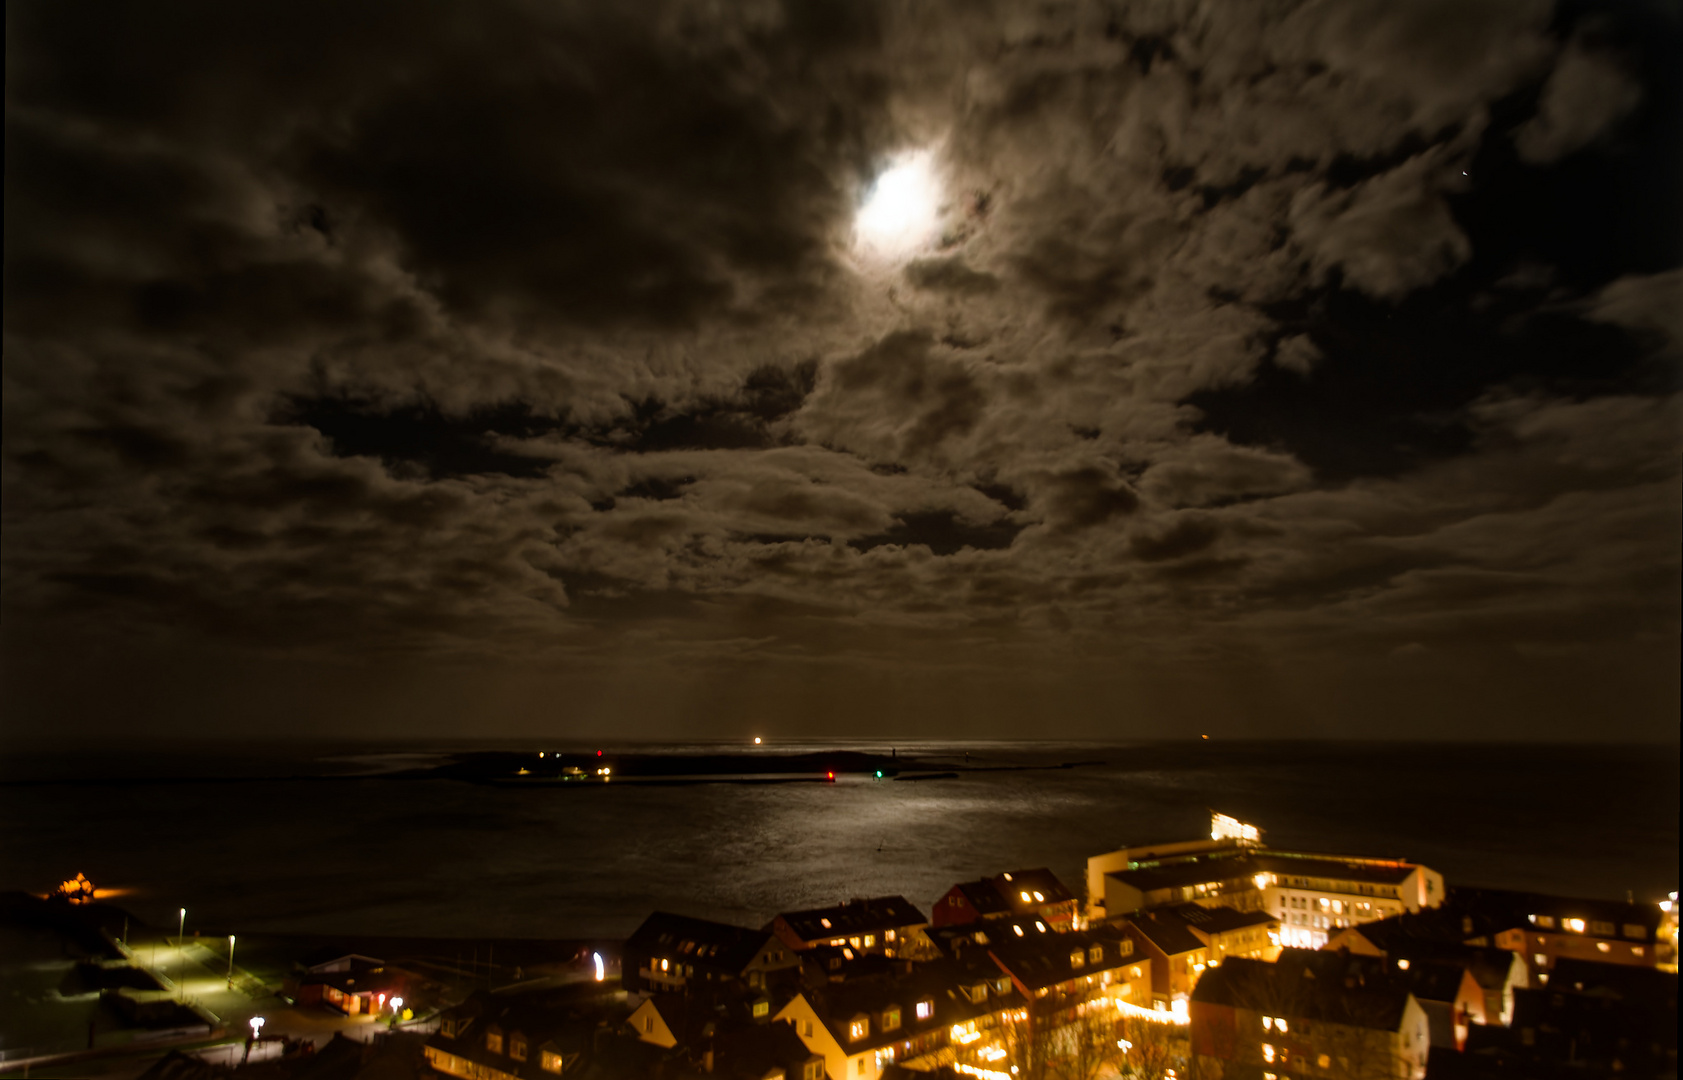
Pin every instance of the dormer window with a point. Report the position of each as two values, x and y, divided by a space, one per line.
517 1047
825 923
1096 954
494 1041
1077 959
761 1008
859 1027
448 1028
925 1009
891 1018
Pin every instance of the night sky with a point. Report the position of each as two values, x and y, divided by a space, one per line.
496 369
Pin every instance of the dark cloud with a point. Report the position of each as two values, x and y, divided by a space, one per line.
1261 342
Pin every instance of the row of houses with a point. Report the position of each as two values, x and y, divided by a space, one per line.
1231 958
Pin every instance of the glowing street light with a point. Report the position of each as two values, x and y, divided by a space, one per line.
257 1023
181 955
601 967
230 961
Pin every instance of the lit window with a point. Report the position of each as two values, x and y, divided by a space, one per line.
1040 926
517 1049
1038 897
1019 930
1025 897
1603 946
761 1008
1077 958
859 1028
494 1041
1324 1061
825 923
870 939
888 935
1268 1053
891 1018
1096 954
814 1070
1574 925
925 1009
551 1061
1281 1024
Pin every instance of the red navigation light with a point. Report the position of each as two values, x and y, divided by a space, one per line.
829 776
598 753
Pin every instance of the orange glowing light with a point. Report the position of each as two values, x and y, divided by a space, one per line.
78 890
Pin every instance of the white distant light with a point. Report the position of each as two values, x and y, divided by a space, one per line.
756 740
601 968
901 211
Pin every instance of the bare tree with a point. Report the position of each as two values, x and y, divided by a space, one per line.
1150 1050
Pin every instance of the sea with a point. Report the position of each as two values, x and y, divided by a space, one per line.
322 839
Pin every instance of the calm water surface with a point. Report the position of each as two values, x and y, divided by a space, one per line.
252 842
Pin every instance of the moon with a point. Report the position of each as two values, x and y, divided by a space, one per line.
901 212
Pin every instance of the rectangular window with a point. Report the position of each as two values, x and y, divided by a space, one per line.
1639 933
551 1062
494 1042
517 1049
1096 954
1602 929
648 1025
761 1008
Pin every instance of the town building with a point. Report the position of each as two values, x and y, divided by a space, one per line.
1013 894
1308 1014
1547 929
354 984
936 1014
670 952
888 925
1438 935
491 1037
1177 956
1254 935
1055 972
1312 894
1594 1019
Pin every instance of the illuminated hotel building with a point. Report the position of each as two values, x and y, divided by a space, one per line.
1313 895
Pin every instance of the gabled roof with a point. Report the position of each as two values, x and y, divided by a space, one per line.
547 1021
1166 932
940 983
752 1052
703 942
1514 909
1331 987
853 918
1014 891
1436 981
1219 920
984 897
1040 960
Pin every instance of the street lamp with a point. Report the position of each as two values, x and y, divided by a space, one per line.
181 955
230 961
